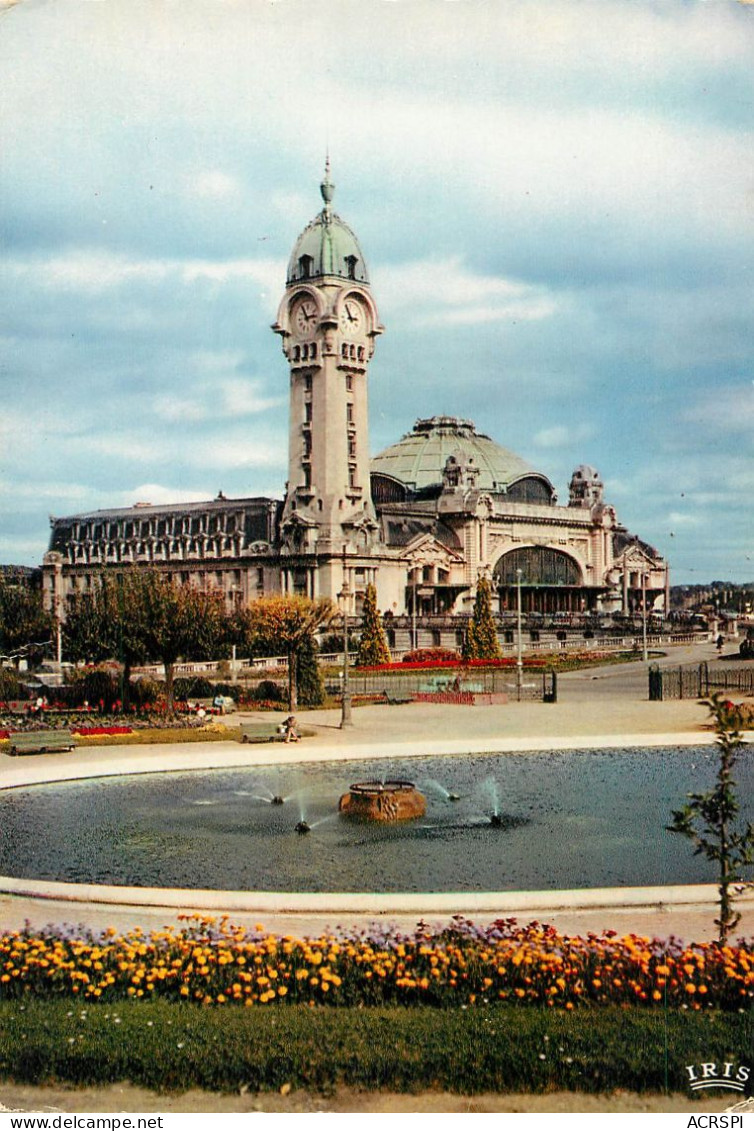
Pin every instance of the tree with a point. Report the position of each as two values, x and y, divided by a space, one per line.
309 682
89 629
174 621
141 615
708 819
25 627
284 624
480 641
373 647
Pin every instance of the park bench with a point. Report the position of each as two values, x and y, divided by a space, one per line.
270 732
41 741
397 700
262 732
213 706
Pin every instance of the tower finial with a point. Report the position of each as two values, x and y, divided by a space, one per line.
327 188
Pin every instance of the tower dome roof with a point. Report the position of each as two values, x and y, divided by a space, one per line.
419 458
327 246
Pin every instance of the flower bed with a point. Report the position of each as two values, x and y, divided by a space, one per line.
457 698
95 732
433 665
213 963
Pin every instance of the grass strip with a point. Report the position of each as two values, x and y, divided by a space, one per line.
169 1047
153 737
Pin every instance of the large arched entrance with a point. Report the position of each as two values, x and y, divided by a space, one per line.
551 581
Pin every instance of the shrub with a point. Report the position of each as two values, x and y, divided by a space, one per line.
271 691
145 690
10 688
99 687
193 687
333 642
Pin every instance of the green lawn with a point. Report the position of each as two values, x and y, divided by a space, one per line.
496 1048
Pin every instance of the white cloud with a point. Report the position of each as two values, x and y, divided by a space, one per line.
219 451
242 452
244 398
562 435
157 494
445 291
181 409
724 410
46 489
94 270
213 184
675 519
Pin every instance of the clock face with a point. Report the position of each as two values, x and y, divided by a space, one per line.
304 317
352 320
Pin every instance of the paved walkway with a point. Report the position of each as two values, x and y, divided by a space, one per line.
596 708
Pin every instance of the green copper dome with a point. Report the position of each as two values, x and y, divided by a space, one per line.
327 246
419 458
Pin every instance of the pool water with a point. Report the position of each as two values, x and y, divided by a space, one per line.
575 819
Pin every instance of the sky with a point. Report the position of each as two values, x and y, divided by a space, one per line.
555 200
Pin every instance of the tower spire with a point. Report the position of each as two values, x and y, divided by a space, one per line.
327 188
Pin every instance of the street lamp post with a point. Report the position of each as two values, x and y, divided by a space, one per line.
519 645
345 699
644 652
414 627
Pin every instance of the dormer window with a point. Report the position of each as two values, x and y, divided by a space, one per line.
305 265
351 261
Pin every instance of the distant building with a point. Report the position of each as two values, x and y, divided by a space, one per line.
422 520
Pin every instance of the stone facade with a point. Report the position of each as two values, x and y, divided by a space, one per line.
422 522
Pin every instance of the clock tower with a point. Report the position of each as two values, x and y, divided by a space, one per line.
328 323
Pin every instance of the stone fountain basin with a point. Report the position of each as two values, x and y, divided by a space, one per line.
383 801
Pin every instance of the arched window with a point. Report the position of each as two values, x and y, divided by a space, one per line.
539 565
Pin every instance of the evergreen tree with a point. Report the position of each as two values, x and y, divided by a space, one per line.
480 641
373 647
309 681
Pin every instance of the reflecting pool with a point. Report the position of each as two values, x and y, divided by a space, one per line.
566 820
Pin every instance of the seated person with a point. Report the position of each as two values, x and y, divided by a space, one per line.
291 734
